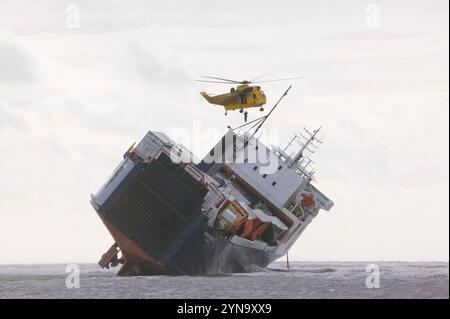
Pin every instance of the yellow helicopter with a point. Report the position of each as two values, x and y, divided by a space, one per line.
242 97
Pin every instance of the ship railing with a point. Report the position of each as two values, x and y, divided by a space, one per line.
194 173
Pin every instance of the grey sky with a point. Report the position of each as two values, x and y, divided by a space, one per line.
73 100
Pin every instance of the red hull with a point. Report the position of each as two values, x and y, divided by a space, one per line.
135 261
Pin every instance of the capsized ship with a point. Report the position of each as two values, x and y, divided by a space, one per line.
241 207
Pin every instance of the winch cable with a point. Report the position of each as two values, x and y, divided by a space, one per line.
262 119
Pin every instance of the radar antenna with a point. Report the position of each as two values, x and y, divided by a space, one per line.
308 141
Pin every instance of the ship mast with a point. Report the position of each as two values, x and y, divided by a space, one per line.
308 144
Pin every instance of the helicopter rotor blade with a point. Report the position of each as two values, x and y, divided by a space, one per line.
259 77
265 81
222 79
228 81
213 81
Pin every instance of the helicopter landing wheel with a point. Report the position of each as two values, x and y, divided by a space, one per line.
261 109
226 113
245 116
241 110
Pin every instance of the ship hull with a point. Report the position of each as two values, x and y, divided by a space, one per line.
153 215
194 258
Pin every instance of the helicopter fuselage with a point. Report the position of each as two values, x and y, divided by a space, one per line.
241 97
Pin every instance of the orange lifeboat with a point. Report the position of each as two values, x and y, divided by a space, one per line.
308 201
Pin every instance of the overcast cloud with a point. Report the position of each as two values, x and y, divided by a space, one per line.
73 100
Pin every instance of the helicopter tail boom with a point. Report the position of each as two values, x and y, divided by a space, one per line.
206 96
